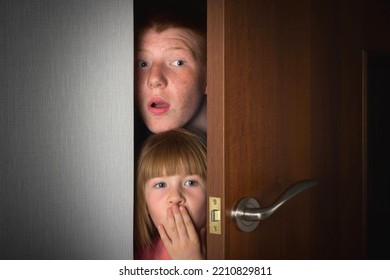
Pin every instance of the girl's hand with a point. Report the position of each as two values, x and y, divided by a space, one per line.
180 237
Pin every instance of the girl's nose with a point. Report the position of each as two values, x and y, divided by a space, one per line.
156 77
176 197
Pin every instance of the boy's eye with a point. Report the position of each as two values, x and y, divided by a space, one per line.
178 62
142 64
160 185
191 183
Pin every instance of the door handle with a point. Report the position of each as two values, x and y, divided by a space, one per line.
247 214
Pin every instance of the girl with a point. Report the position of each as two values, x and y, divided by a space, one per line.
171 196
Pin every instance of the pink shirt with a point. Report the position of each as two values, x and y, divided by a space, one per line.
155 251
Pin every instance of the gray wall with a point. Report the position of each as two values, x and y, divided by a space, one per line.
66 134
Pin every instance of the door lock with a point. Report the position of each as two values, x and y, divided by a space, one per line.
215 215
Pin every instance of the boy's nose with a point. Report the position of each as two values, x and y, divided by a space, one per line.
156 77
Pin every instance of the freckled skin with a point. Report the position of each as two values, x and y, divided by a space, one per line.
169 67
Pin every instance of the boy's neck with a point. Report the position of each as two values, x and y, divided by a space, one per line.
200 119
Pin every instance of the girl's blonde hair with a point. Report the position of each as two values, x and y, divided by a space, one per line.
169 153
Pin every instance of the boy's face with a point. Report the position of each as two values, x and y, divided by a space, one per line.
189 191
170 78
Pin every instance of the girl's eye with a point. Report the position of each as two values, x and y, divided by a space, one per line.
160 185
142 64
191 183
178 62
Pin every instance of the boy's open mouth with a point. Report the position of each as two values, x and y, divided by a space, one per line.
158 106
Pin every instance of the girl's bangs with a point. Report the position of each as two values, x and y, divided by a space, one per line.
169 162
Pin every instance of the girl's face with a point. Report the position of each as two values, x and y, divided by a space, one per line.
189 190
170 78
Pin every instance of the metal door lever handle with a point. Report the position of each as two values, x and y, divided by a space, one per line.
247 213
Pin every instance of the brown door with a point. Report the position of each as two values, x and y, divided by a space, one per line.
285 104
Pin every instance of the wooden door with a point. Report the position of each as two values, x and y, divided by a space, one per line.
284 105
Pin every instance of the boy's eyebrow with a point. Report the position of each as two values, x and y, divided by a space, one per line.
172 49
187 50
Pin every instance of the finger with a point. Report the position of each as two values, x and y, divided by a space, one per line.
180 225
172 228
189 225
164 236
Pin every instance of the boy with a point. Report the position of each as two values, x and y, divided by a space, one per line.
170 65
